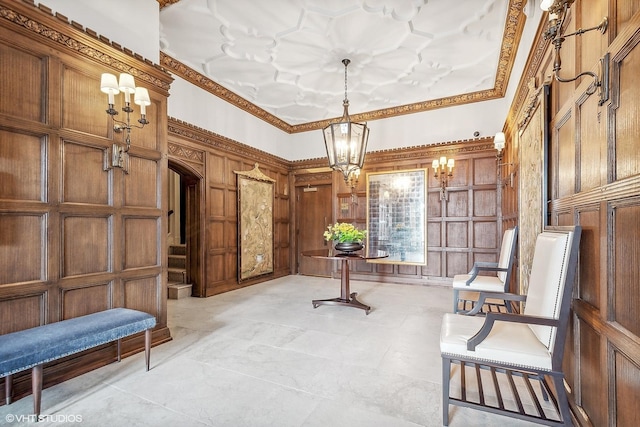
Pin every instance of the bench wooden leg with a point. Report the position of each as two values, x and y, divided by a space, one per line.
36 387
118 345
147 346
8 388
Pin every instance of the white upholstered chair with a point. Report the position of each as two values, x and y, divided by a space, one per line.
465 286
507 349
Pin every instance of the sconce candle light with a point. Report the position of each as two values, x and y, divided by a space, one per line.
119 156
440 172
557 14
499 142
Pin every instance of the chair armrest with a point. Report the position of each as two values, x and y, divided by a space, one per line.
479 266
506 317
482 297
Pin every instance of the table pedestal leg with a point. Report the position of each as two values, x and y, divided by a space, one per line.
346 298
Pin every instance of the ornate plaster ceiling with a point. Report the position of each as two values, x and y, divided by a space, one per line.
284 56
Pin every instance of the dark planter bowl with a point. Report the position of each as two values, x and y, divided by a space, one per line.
348 246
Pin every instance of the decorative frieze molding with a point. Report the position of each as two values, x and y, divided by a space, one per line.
534 62
211 139
449 149
186 153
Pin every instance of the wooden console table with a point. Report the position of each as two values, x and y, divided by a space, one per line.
346 298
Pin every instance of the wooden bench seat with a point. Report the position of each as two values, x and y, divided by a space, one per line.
31 348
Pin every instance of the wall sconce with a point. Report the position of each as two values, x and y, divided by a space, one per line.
119 156
509 177
440 172
352 183
557 14
499 143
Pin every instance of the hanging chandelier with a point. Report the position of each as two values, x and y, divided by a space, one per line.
346 141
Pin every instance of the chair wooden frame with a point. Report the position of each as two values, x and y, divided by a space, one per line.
454 351
465 282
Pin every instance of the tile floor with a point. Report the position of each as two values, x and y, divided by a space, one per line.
263 356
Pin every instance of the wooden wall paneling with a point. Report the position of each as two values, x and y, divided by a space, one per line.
593 395
83 105
144 294
626 111
595 182
140 239
22 247
566 91
22 312
566 159
469 193
624 11
141 183
21 159
590 268
590 46
71 230
82 163
86 244
625 274
85 299
221 158
30 88
591 167
626 373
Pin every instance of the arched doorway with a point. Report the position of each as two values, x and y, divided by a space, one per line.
184 227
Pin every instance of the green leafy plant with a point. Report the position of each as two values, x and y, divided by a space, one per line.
344 233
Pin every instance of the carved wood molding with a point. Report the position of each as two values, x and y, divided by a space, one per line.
256 174
165 3
533 101
309 178
83 42
512 34
531 70
211 139
186 153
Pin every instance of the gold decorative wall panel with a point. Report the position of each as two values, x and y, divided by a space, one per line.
255 216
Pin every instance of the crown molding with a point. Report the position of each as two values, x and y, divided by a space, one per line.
529 78
203 82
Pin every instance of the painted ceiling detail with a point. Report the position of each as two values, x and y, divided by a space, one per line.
281 60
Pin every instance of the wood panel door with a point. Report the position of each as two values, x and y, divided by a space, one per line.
313 216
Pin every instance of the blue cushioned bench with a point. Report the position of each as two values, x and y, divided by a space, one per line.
31 348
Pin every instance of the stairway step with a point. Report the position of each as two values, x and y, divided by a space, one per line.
176 275
179 290
177 261
177 249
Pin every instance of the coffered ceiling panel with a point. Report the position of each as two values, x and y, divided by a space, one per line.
284 56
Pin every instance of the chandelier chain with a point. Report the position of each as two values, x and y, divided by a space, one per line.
346 63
